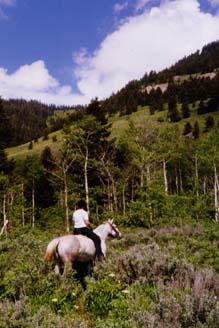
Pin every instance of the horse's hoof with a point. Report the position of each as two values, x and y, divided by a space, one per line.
101 258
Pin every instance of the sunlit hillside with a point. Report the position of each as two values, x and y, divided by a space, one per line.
119 124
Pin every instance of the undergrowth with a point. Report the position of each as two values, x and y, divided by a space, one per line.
161 277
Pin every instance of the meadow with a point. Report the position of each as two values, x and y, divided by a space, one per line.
165 276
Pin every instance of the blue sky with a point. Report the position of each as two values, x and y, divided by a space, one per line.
70 51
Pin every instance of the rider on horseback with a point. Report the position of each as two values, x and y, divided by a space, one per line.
81 223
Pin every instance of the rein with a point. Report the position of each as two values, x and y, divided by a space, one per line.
113 227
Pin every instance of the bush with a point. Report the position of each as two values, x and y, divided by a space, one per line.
100 296
139 215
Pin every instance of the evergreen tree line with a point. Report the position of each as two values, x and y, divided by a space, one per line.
29 120
204 61
135 94
188 91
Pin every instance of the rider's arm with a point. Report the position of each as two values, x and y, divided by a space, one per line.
88 224
86 220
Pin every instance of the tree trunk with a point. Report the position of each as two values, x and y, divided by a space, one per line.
205 185
165 177
22 208
33 203
5 221
65 181
97 213
4 207
142 176
5 224
86 181
115 201
196 175
180 180
113 185
123 199
109 195
216 193
148 174
177 180
132 188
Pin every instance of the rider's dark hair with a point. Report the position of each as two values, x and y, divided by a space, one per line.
81 204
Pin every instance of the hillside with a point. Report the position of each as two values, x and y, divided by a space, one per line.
28 121
119 125
149 160
53 140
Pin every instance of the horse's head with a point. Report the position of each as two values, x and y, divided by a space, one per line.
114 231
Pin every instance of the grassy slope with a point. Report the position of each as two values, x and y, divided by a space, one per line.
21 151
118 125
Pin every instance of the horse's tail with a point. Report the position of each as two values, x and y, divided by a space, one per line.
51 250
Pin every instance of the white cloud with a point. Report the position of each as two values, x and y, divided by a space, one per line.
81 56
118 7
153 40
33 77
34 82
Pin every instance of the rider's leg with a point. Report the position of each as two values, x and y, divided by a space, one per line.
96 239
97 242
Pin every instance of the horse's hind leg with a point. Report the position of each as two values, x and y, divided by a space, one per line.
57 269
80 273
67 268
90 268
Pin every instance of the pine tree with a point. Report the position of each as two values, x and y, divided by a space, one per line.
201 108
173 113
196 130
97 110
30 146
131 104
209 123
5 165
187 128
185 110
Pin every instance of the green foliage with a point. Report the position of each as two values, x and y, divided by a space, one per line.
153 180
139 215
100 296
147 271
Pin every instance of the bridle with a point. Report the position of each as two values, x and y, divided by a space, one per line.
115 229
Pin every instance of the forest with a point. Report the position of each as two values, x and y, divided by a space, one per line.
147 159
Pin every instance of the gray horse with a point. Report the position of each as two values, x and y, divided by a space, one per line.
77 249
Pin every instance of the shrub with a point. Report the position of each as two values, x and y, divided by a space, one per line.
160 119
100 295
139 215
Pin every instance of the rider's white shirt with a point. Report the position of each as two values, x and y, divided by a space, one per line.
79 218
